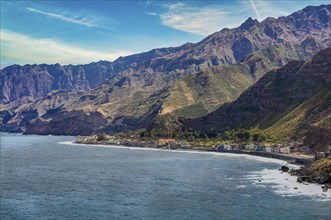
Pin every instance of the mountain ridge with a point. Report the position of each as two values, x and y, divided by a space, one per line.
286 102
225 47
135 78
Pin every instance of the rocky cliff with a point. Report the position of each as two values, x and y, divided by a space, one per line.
30 82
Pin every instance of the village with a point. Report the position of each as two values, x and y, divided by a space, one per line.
292 152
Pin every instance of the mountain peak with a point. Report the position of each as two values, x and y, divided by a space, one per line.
248 23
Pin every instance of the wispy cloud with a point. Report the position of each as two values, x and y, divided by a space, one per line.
151 13
211 18
201 21
22 49
256 11
85 21
263 8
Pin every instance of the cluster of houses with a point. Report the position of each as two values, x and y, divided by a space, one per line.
165 143
270 148
170 143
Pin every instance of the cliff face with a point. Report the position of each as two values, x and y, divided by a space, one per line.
160 66
285 101
31 82
68 123
139 88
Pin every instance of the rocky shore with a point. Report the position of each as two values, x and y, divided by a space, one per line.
318 172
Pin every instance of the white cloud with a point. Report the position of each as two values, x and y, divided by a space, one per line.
151 13
85 21
201 21
22 49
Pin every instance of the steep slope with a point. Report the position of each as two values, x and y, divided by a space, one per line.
143 87
160 67
28 83
286 102
192 96
207 90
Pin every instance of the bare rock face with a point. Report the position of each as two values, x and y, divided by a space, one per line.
112 86
35 81
68 123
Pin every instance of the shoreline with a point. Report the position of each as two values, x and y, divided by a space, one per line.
192 151
243 155
271 155
284 157
284 183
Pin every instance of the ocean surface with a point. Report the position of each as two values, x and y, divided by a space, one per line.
48 177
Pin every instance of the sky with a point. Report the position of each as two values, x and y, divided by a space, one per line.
79 32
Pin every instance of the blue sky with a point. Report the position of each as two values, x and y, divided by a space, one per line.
76 31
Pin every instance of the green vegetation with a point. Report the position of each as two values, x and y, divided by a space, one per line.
203 139
319 166
192 111
102 137
201 93
296 118
286 103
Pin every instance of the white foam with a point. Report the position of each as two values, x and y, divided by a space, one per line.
246 195
286 185
67 142
283 183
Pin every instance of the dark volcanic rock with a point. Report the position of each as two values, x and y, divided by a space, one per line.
324 178
284 169
316 172
5 116
68 123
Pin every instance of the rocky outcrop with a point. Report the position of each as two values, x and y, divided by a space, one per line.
317 172
68 123
32 82
284 169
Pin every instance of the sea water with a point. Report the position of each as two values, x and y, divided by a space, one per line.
48 177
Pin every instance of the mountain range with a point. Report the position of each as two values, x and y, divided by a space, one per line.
286 102
161 87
